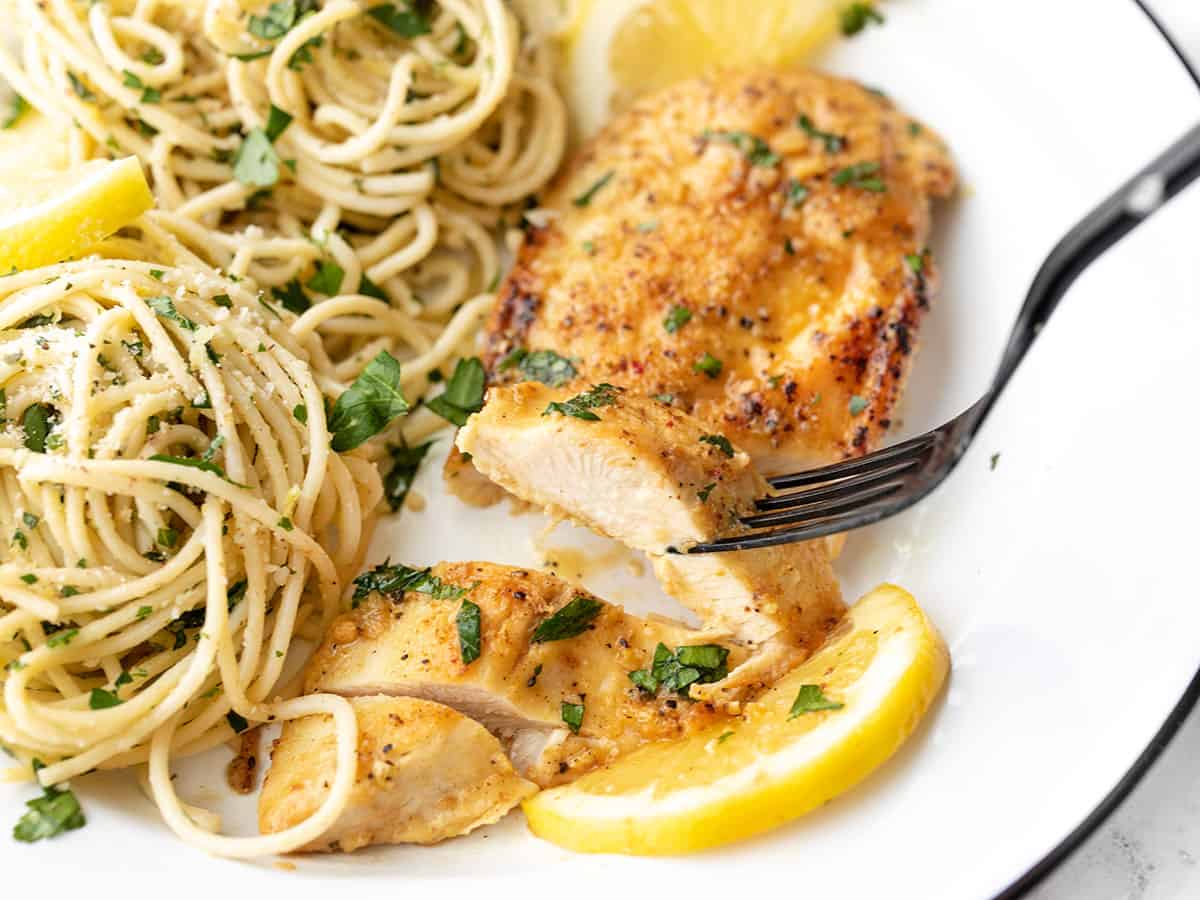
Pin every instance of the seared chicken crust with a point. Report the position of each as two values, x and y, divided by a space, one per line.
408 645
778 219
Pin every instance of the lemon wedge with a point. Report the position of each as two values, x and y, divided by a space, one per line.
818 732
619 49
47 217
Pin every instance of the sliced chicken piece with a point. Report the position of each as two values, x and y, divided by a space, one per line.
553 671
425 773
653 477
753 244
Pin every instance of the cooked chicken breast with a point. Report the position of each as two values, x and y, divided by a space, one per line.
753 246
553 671
425 773
653 477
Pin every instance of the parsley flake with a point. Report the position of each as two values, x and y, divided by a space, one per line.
463 394
588 195
400 477
834 143
545 366
861 175
468 623
708 365
857 16
676 318
581 405
569 621
756 151
572 714
369 405
398 579
811 698
719 441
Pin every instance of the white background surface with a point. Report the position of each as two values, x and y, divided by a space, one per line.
1149 849
1072 638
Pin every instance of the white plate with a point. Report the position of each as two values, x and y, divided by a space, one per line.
1064 585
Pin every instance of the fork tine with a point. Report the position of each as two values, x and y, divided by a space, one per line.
821 508
859 465
802 498
822 527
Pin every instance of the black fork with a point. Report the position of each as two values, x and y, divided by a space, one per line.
862 491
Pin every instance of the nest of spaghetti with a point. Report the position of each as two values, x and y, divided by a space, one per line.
172 511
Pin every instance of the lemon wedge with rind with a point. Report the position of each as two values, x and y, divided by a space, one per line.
885 665
51 216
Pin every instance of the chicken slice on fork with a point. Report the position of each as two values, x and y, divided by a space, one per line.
653 477
425 773
555 673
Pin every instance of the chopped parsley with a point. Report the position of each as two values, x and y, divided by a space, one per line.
581 405
572 714
719 441
149 94
17 108
36 422
286 524
811 698
708 365
678 671
49 815
82 91
545 366
570 621
164 306
857 404
395 580
144 611
797 193
277 123
62 638
586 197
463 394
102 699
861 175
327 280
30 520
29 578
467 622
292 297
280 18
757 151
167 537
400 477
834 143
994 461
368 288
300 413
705 491
407 18
915 262
857 16
369 405
203 465
256 163
676 318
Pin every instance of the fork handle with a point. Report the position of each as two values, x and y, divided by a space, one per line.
1129 206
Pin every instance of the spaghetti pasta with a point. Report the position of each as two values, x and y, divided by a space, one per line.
332 181
176 513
